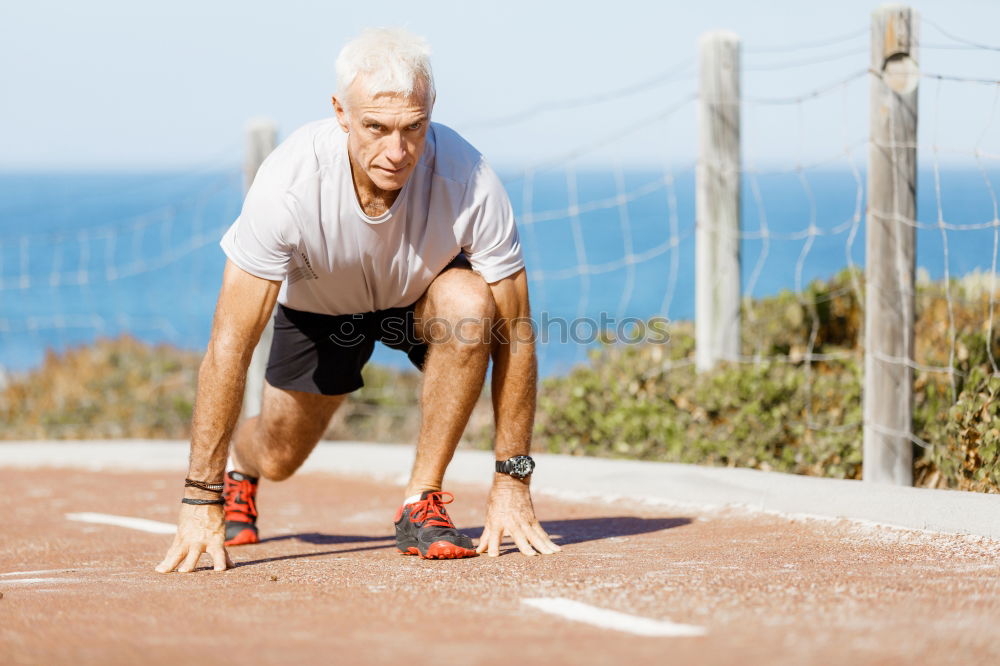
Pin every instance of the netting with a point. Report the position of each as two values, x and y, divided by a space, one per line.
83 265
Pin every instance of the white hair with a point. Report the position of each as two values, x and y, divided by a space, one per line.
393 60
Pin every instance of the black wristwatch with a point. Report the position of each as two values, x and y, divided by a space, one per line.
519 467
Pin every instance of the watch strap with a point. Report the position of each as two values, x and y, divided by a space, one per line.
513 467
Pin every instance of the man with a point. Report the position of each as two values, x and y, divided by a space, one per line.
375 225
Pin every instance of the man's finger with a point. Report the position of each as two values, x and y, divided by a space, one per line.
191 561
174 556
220 558
540 544
542 538
493 548
521 541
483 540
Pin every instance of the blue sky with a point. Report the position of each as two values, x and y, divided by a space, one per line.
115 84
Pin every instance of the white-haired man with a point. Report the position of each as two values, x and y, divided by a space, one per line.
375 225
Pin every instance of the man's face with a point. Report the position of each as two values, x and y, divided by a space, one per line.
386 133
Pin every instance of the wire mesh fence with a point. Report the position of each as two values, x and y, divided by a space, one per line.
618 241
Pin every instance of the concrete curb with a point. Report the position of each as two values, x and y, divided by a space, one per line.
577 477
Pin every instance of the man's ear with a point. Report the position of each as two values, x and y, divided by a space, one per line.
341 112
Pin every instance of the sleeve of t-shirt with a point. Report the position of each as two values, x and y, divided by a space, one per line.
491 242
262 239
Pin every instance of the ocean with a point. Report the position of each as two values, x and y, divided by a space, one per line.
87 255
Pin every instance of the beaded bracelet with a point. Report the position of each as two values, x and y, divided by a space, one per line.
203 485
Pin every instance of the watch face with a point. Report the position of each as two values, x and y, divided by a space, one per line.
521 466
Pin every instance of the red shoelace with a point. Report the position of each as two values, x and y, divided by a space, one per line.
242 491
431 509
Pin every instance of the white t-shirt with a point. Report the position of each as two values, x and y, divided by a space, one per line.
302 223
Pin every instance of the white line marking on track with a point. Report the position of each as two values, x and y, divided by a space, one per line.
37 571
609 619
31 581
142 524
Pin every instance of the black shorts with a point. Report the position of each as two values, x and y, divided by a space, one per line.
319 353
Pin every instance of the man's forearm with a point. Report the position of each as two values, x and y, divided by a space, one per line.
221 382
515 379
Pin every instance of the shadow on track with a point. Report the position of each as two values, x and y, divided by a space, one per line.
579 530
563 532
326 539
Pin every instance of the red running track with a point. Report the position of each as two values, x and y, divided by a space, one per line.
326 585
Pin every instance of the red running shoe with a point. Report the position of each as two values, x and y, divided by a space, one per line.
423 528
240 494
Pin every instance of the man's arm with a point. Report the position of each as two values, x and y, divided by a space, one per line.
515 367
515 380
244 306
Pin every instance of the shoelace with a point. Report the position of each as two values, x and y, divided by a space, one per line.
239 498
431 509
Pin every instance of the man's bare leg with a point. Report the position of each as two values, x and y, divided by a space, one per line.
454 317
276 443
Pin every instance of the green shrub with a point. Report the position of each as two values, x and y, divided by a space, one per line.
766 416
783 412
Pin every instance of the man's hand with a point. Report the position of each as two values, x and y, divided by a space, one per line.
510 512
200 529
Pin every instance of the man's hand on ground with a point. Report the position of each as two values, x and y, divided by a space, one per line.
510 512
200 529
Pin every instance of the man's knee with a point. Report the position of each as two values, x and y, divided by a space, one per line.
286 431
276 469
284 439
463 312
277 460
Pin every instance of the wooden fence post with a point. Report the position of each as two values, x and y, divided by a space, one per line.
890 247
261 139
717 201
